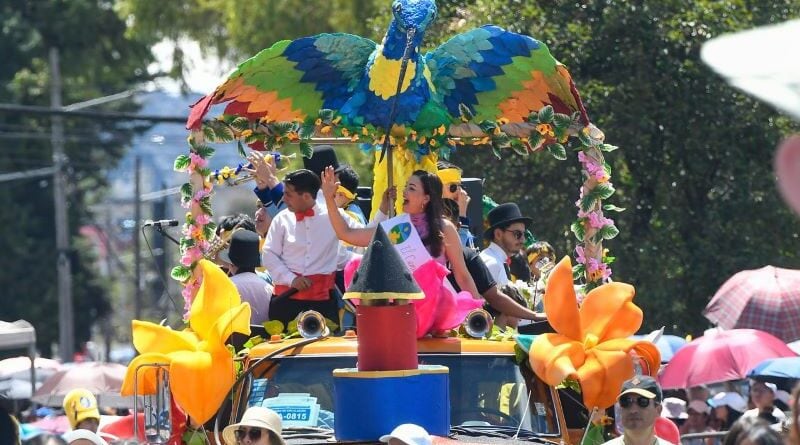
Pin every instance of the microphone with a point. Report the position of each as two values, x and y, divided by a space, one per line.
160 223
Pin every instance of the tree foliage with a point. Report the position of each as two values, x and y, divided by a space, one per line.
97 59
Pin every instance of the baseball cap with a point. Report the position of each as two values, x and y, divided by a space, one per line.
74 435
699 406
643 385
409 434
79 405
732 400
674 408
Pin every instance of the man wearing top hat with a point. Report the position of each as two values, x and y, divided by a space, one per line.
507 235
244 257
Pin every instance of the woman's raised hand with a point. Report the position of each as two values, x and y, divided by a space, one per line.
329 183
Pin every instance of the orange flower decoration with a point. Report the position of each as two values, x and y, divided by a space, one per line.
201 369
591 344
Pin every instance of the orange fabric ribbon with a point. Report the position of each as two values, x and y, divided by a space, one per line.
201 368
591 343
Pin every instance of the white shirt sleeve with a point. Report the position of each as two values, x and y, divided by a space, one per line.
271 256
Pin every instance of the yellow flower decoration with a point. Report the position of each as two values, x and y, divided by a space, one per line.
201 367
247 133
591 344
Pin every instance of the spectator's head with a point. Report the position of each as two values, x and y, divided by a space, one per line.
408 434
450 175
762 394
232 222
541 258
674 409
507 227
80 407
698 411
348 185
83 437
728 407
300 191
640 404
751 431
259 426
263 219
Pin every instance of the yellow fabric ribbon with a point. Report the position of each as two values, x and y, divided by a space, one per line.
201 368
347 193
449 175
591 343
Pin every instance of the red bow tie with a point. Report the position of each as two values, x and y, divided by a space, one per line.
302 215
508 261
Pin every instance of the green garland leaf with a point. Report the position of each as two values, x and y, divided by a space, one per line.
608 147
584 138
546 114
205 205
607 232
180 273
240 124
240 149
612 208
519 148
496 152
204 151
558 151
603 191
274 327
465 113
533 118
208 232
562 121
186 192
181 163
588 201
578 229
305 149
607 168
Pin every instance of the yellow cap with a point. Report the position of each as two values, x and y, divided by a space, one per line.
79 405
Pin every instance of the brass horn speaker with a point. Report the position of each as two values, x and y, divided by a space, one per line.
478 323
311 324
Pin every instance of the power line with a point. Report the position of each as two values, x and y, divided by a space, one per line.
110 115
28 174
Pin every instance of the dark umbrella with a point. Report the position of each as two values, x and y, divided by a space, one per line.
767 299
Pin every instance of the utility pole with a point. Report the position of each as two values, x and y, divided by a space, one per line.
137 251
66 330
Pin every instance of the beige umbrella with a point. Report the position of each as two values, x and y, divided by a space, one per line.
104 380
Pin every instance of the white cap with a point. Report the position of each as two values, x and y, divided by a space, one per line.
673 408
74 435
732 400
699 406
409 434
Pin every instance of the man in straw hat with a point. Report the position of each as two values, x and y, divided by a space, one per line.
259 426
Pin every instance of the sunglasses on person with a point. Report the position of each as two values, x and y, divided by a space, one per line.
254 433
518 234
626 402
454 187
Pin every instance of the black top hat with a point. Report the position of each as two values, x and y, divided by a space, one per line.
642 385
502 215
322 156
243 251
382 274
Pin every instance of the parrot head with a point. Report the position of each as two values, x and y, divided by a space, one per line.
414 15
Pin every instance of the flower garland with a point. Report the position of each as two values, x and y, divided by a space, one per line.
542 130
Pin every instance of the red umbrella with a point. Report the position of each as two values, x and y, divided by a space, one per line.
767 299
721 356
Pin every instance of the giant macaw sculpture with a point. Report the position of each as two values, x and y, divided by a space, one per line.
497 74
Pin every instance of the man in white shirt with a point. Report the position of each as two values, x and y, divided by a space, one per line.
302 252
507 234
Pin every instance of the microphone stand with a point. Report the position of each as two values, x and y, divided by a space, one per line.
166 235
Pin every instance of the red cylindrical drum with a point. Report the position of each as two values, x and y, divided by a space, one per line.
387 337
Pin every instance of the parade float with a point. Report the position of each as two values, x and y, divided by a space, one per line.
487 88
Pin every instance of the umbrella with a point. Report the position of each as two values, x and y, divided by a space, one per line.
54 425
667 345
16 367
782 371
104 380
16 389
721 356
767 299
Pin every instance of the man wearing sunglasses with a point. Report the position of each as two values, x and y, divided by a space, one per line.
639 407
450 175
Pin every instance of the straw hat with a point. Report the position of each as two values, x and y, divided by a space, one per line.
256 417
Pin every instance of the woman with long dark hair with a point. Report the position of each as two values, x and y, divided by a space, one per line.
422 201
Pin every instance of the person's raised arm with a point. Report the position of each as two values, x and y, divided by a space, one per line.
507 306
356 236
452 245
